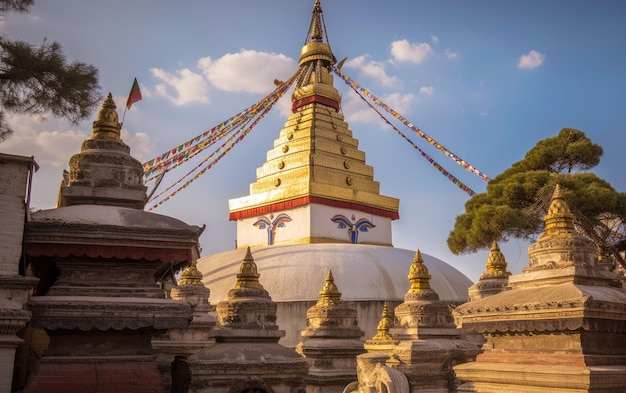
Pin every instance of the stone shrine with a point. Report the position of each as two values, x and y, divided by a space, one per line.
247 356
100 258
331 341
560 326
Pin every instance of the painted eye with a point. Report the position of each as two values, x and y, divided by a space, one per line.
341 226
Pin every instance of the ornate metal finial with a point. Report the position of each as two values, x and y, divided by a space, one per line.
248 276
317 31
418 275
496 263
559 218
386 323
330 294
190 276
107 125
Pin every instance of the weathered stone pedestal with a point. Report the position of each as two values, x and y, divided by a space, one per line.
562 325
331 342
246 356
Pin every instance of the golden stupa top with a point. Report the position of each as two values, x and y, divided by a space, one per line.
107 126
418 274
559 219
329 295
496 263
190 276
382 330
248 276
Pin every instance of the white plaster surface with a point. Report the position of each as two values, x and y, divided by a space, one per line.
362 272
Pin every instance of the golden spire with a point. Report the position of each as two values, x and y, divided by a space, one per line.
496 263
106 125
190 276
386 323
316 61
418 275
559 219
248 276
330 294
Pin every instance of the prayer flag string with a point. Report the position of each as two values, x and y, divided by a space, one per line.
434 163
244 128
176 156
355 86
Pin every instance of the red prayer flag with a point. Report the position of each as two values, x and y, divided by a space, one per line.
134 95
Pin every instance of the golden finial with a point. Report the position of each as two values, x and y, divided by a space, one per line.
386 323
330 294
248 276
559 218
106 125
496 263
190 276
316 33
418 275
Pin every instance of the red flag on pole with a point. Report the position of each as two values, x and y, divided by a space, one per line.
134 95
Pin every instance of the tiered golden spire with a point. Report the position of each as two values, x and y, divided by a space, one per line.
329 295
559 219
106 126
386 323
248 276
496 263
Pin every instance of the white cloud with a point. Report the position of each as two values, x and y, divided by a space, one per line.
435 39
428 90
374 70
532 60
450 55
416 53
247 71
184 87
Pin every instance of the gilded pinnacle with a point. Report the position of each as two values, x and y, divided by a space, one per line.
386 323
418 275
190 276
248 276
106 125
559 218
329 295
496 263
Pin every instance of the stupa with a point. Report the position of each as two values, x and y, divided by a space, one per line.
247 356
560 327
315 207
100 259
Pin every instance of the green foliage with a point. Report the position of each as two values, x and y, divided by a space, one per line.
516 200
37 80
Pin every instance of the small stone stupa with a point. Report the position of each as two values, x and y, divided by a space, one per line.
246 356
561 326
423 347
494 279
331 341
99 258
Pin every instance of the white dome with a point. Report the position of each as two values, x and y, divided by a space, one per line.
292 273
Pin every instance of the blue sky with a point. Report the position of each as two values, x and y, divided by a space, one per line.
487 79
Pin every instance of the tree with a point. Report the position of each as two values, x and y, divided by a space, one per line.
37 80
517 199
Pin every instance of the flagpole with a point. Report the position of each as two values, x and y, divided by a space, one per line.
123 117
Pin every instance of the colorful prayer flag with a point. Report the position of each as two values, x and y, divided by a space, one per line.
134 95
